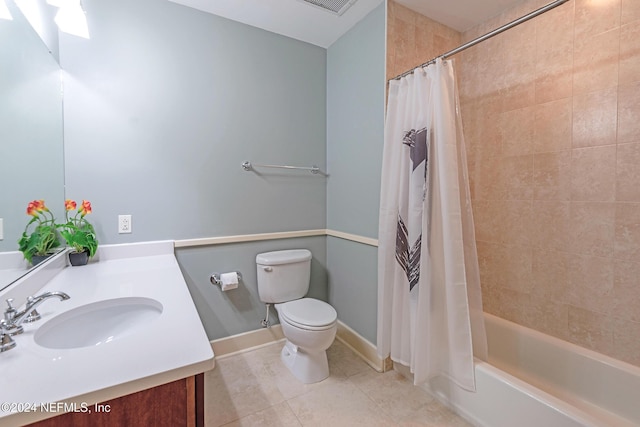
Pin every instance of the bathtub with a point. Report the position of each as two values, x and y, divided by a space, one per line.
535 380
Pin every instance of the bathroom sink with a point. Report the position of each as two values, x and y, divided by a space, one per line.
98 323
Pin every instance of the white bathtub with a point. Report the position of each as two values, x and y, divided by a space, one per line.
535 380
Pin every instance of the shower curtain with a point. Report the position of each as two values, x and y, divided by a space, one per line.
429 301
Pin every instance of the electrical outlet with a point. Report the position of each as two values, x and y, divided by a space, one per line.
124 224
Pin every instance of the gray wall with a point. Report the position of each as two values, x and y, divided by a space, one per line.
165 102
240 310
355 135
162 106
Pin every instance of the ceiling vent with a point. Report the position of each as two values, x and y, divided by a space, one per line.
337 7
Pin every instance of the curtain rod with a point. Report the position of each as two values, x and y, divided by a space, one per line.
480 39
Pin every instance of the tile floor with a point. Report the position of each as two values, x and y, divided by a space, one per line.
256 389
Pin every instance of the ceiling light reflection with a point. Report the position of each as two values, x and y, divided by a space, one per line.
4 11
72 20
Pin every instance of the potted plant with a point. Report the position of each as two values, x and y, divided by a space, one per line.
37 245
79 233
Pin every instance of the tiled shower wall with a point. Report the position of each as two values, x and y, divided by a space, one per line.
551 112
413 39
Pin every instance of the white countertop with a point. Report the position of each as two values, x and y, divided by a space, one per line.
170 347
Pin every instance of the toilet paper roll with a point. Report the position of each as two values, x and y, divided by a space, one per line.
229 281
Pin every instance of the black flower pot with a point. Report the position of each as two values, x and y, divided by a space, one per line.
79 258
37 259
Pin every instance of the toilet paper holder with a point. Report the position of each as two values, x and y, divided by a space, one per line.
215 278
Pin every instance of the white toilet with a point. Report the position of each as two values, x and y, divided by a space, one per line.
308 324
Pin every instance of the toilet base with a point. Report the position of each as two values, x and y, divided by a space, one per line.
306 367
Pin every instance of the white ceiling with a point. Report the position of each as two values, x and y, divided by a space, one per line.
299 20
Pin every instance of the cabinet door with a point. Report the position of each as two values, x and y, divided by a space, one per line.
172 405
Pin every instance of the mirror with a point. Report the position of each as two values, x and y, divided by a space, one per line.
31 136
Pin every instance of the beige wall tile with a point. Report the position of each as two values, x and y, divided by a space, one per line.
553 125
595 62
482 134
595 118
627 239
504 269
415 39
490 259
554 53
630 11
516 131
489 217
517 267
554 76
424 39
549 317
626 341
592 228
485 178
404 14
550 275
507 303
626 282
405 45
628 173
517 96
629 70
516 227
552 176
554 30
596 16
591 283
593 174
590 329
519 55
629 113
517 177
551 225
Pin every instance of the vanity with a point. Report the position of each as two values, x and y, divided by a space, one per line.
127 347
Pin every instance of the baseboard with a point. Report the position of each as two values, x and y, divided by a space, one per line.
363 348
235 344
247 341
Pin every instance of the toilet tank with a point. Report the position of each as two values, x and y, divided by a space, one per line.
283 275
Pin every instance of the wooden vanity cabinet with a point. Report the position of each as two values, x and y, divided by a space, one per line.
176 404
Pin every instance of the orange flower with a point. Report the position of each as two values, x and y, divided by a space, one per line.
32 208
85 208
39 204
70 204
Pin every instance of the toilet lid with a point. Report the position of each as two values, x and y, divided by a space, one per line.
309 312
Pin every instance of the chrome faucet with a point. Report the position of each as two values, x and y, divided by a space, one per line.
12 323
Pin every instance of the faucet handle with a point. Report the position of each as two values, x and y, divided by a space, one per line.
10 312
7 325
6 342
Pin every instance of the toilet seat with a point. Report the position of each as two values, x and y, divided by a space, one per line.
308 313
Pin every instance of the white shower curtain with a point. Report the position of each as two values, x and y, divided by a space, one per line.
429 300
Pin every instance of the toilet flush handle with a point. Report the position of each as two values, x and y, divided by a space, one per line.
267 269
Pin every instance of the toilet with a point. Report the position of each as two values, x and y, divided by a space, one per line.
309 325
